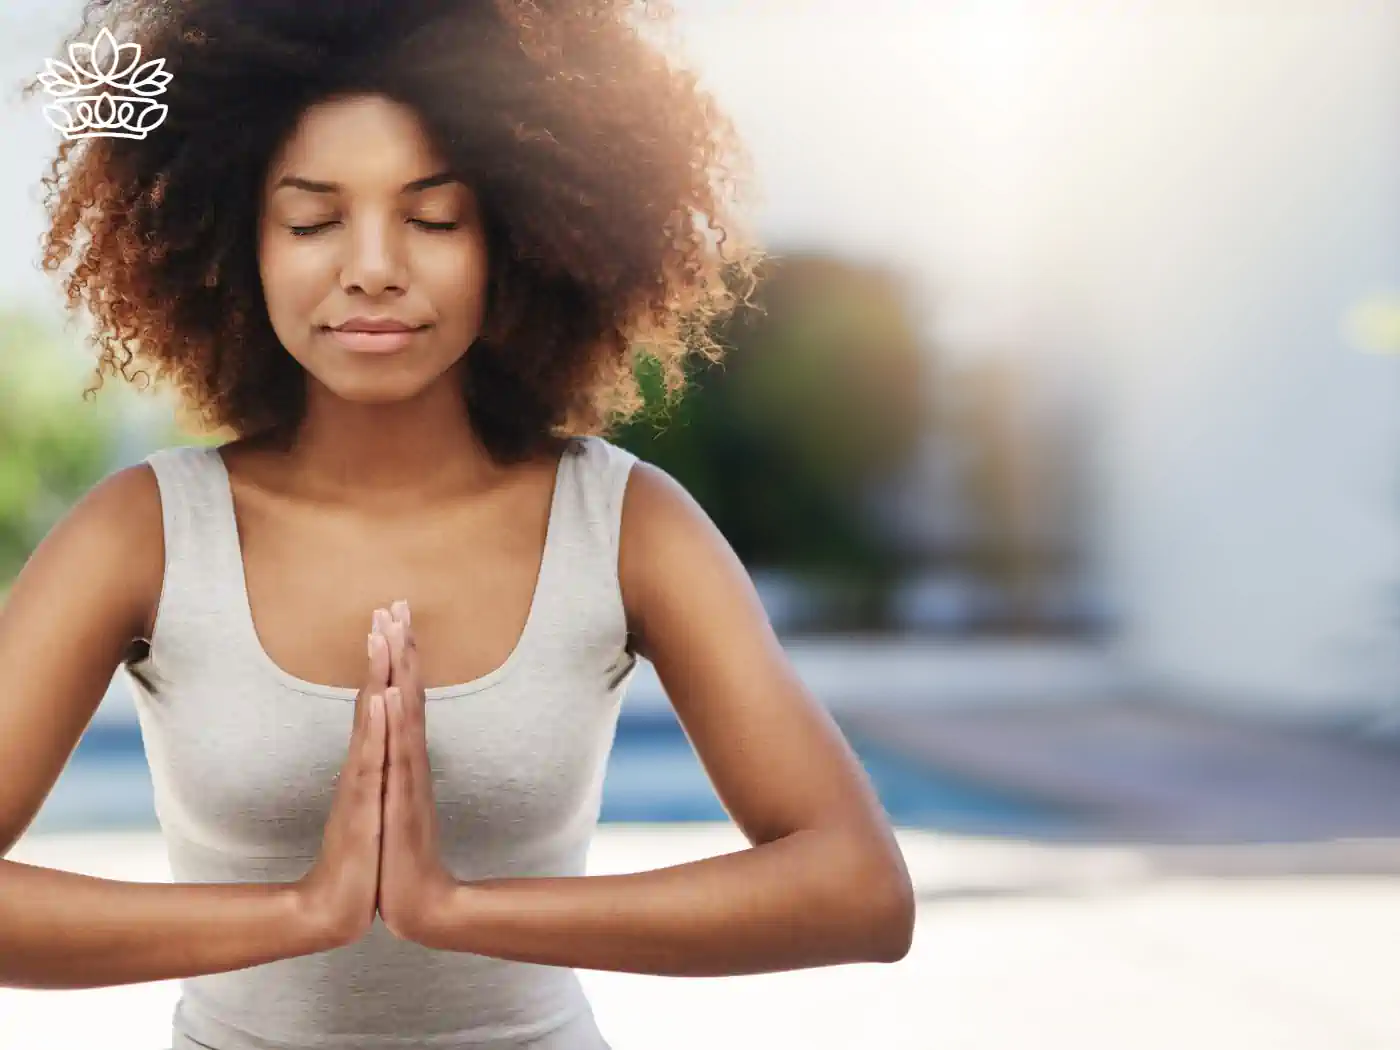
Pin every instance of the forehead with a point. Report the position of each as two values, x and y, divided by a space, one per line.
362 142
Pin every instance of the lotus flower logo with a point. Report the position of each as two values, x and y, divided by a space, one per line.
104 91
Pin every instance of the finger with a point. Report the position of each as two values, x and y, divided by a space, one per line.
410 745
402 614
405 667
403 646
422 771
369 788
391 765
385 620
382 623
378 661
409 680
412 758
378 733
413 792
376 670
376 679
396 644
393 756
393 706
410 644
392 795
371 750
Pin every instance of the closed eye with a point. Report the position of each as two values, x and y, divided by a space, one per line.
306 231
303 231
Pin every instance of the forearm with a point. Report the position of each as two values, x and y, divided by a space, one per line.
794 903
59 929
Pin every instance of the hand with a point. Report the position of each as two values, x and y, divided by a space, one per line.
413 881
339 892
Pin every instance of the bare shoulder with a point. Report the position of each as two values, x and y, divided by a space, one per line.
674 562
113 538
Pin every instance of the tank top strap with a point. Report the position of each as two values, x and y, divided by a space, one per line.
580 596
203 566
591 514
605 469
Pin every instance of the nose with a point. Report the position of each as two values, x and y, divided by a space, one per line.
374 262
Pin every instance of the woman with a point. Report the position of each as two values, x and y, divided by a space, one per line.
403 253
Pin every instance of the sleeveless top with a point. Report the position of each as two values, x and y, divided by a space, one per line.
242 756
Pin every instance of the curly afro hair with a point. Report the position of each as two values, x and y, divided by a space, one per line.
611 188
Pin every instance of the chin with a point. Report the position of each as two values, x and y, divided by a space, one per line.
376 390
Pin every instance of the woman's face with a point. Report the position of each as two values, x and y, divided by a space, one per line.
363 228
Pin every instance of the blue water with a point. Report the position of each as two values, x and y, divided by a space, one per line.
653 776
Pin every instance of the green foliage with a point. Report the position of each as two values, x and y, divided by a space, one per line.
823 395
53 445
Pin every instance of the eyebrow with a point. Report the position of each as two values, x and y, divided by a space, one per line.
296 182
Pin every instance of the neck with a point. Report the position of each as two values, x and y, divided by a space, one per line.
420 447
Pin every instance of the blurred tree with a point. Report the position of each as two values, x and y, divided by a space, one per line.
54 446
821 401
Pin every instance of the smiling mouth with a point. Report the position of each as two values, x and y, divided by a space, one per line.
374 341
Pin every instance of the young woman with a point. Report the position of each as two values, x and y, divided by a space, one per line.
403 252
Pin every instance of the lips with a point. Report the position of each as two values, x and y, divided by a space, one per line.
374 334
376 324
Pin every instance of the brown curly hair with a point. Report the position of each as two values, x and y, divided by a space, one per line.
611 188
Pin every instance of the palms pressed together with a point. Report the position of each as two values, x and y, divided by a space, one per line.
379 852
413 880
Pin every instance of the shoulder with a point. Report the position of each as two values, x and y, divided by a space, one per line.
127 509
122 511
652 504
672 556
111 545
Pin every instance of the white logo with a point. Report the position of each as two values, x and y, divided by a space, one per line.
82 111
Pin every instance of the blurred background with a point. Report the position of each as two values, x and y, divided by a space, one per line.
1065 456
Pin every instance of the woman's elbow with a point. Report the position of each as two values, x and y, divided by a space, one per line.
894 909
879 894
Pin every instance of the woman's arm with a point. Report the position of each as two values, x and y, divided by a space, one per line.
87 591
59 929
824 881
800 901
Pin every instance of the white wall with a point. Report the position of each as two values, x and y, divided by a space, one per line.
1250 466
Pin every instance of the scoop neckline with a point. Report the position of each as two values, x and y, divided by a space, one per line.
248 626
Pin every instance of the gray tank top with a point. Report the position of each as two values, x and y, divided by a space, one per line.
242 756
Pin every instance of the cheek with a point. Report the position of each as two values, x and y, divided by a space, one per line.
294 284
454 278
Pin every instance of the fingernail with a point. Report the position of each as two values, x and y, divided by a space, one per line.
369 643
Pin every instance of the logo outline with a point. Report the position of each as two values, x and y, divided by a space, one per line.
81 111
